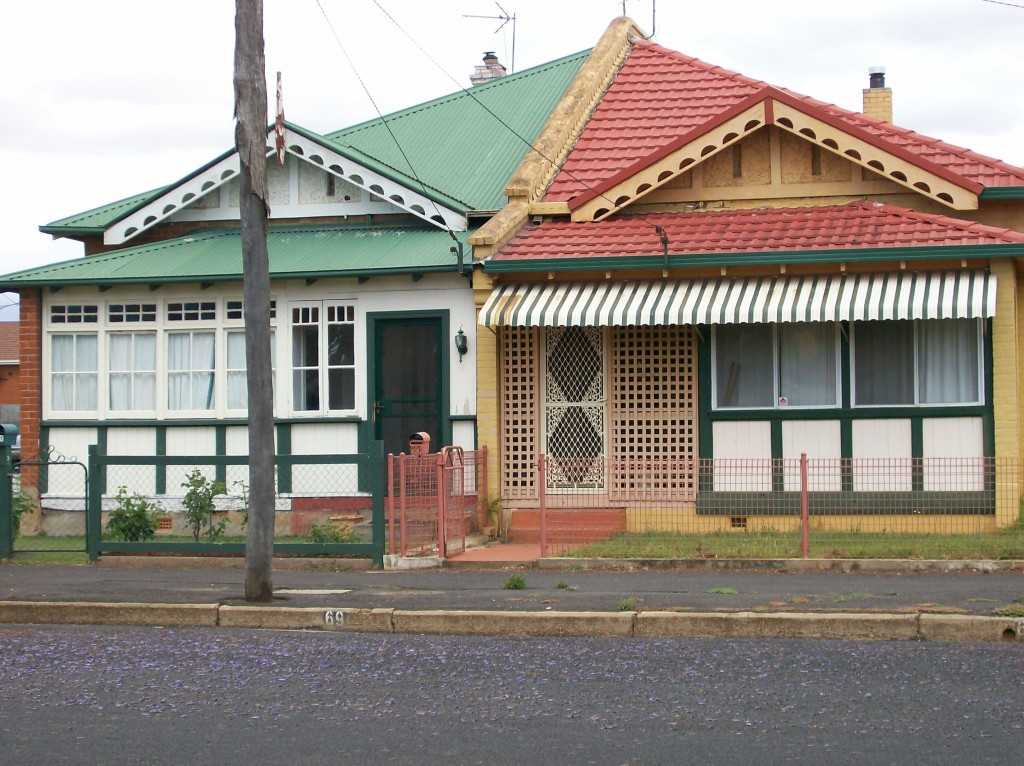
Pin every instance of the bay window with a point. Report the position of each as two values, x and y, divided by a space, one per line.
131 362
73 372
760 366
191 366
933 361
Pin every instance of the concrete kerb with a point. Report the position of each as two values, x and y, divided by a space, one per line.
653 624
864 566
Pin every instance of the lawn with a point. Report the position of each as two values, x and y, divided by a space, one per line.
1008 544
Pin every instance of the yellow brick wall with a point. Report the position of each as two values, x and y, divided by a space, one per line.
1006 388
488 419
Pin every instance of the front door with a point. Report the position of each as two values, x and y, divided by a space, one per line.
407 389
574 408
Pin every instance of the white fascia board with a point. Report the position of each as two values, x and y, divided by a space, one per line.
312 152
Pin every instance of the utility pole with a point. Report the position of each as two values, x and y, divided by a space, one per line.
251 141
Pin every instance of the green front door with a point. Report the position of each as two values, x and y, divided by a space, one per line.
407 386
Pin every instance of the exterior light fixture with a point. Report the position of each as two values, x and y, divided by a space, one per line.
461 344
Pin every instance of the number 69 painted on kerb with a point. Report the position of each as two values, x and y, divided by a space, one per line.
334 617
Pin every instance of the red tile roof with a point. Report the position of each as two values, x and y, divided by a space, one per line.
659 95
854 225
8 341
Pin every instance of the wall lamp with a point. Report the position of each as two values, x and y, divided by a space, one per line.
461 344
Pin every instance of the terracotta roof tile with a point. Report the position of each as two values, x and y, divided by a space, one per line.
854 225
8 341
660 94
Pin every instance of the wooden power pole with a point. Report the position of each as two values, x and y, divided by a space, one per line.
251 141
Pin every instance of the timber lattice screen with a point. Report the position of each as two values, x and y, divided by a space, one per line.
519 403
654 412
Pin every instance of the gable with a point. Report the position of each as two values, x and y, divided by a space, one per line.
308 148
660 95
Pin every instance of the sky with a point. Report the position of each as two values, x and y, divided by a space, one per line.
107 98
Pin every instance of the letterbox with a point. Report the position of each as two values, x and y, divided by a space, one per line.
419 443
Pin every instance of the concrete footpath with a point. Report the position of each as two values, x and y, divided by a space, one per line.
644 603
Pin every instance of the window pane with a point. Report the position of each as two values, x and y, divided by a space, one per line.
883 359
85 353
178 391
305 346
306 390
807 364
144 391
145 352
203 357
120 391
202 390
62 358
178 351
340 346
238 397
236 350
85 391
947 361
120 352
743 365
342 384
63 394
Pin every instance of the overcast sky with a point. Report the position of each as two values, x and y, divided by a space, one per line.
107 98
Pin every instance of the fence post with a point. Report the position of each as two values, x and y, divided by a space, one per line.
542 495
6 504
439 481
376 467
483 500
389 498
403 538
94 504
805 521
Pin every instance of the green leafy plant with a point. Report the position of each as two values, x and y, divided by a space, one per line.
243 493
562 585
22 503
331 533
199 506
628 604
722 590
134 517
515 582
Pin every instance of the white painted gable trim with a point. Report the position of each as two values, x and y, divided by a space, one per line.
299 146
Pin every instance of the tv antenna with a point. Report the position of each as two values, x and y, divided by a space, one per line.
504 17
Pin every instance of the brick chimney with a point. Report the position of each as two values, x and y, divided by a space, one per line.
877 97
491 69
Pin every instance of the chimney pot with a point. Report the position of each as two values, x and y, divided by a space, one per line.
878 97
491 69
876 74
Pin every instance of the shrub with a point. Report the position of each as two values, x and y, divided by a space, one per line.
134 518
331 533
21 503
515 582
243 492
199 505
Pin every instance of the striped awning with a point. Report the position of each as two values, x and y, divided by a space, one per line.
959 294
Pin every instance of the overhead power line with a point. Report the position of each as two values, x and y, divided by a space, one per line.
484 106
380 114
1003 2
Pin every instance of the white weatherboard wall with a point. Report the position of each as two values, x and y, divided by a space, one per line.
881 455
746 441
961 442
236 442
188 440
131 441
325 439
69 444
820 439
442 291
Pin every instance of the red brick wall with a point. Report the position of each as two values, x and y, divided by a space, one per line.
30 382
9 391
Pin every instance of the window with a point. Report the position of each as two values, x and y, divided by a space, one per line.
767 365
934 361
235 310
132 368
238 393
341 358
73 372
74 314
191 361
192 311
323 357
120 313
306 358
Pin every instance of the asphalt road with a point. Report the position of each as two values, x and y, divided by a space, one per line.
163 696
698 590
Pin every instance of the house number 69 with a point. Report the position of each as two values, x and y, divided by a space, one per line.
334 617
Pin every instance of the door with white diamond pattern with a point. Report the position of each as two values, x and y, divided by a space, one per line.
574 408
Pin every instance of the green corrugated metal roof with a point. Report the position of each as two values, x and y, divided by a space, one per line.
460 152
295 252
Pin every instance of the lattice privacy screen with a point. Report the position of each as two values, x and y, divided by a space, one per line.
519 402
653 411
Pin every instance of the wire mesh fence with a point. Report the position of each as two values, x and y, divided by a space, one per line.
47 506
929 507
435 501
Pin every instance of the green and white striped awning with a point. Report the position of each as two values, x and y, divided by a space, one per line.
959 294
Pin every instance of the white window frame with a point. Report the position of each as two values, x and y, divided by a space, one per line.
322 357
980 323
775 375
142 328
171 323
114 326
228 370
80 330
213 412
